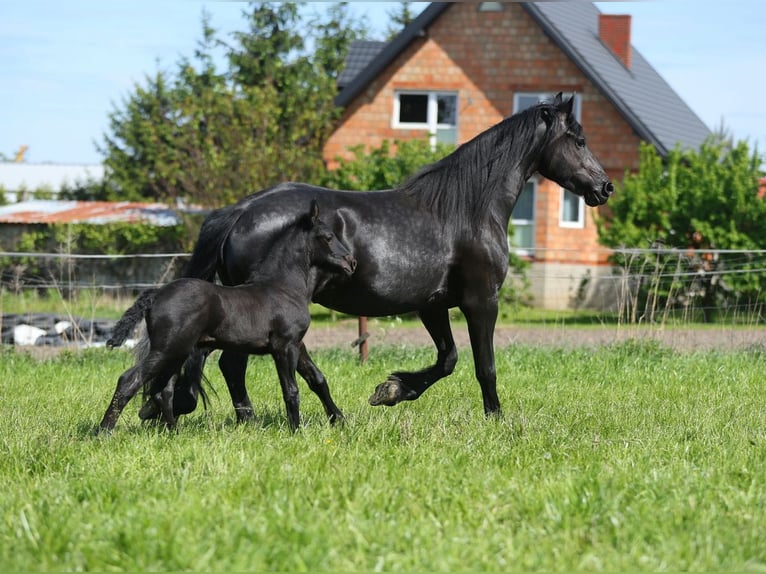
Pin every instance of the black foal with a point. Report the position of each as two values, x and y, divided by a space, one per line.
268 316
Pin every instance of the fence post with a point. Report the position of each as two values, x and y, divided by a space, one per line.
362 340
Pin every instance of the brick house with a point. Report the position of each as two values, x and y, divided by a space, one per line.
459 68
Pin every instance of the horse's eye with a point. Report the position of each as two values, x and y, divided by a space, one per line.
580 142
328 238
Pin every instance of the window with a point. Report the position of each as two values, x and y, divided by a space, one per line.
572 210
490 6
432 111
523 220
524 100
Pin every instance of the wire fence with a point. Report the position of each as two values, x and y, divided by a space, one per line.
626 286
615 280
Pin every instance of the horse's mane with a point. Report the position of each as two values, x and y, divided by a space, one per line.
460 186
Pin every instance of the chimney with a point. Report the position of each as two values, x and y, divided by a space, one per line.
614 31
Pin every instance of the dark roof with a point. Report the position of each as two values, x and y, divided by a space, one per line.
647 102
360 54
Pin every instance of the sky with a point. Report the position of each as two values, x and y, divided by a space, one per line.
65 65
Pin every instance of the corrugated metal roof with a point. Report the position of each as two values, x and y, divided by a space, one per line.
32 176
647 102
95 212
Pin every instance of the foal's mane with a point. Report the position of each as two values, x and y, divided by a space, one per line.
460 186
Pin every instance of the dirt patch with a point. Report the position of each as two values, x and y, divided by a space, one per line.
387 333
382 333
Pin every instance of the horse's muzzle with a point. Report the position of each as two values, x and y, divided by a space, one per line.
601 195
349 265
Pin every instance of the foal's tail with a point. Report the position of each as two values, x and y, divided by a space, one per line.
125 327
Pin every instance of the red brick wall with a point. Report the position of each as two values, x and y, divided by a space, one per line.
486 57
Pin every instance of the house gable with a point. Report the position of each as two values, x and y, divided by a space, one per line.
485 58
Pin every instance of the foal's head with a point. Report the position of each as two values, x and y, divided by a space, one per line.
326 251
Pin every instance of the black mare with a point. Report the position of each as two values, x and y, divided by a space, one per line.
437 241
269 315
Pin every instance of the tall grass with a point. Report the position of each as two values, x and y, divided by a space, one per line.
627 457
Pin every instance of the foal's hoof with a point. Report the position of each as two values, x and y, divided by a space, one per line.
390 393
149 411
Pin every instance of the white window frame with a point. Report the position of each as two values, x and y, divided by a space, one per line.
432 113
579 223
532 223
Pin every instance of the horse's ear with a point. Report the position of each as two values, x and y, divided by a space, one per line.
314 211
567 106
558 98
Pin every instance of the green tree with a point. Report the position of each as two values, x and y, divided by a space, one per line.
400 18
383 167
694 199
212 136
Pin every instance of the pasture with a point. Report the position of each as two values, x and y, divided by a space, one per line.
621 457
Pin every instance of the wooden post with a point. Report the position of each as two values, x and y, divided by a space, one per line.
362 340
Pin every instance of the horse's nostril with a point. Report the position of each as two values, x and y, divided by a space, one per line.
609 187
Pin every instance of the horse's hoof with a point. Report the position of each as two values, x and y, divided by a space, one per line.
149 411
390 393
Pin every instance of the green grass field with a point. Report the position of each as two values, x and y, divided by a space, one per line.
628 457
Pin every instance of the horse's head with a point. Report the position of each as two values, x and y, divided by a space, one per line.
566 159
327 251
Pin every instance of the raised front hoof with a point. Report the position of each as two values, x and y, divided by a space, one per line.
390 393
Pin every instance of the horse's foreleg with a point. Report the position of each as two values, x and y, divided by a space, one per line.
233 366
405 386
318 384
127 386
481 321
286 361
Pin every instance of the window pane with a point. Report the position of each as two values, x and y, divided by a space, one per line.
570 208
446 135
413 108
523 236
446 109
525 101
525 208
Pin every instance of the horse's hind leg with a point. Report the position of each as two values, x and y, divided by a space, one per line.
164 398
318 384
127 386
186 390
408 386
233 366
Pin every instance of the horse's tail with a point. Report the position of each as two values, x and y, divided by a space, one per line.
212 235
125 327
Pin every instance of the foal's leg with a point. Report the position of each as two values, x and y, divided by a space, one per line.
127 386
408 386
317 383
233 366
286 361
